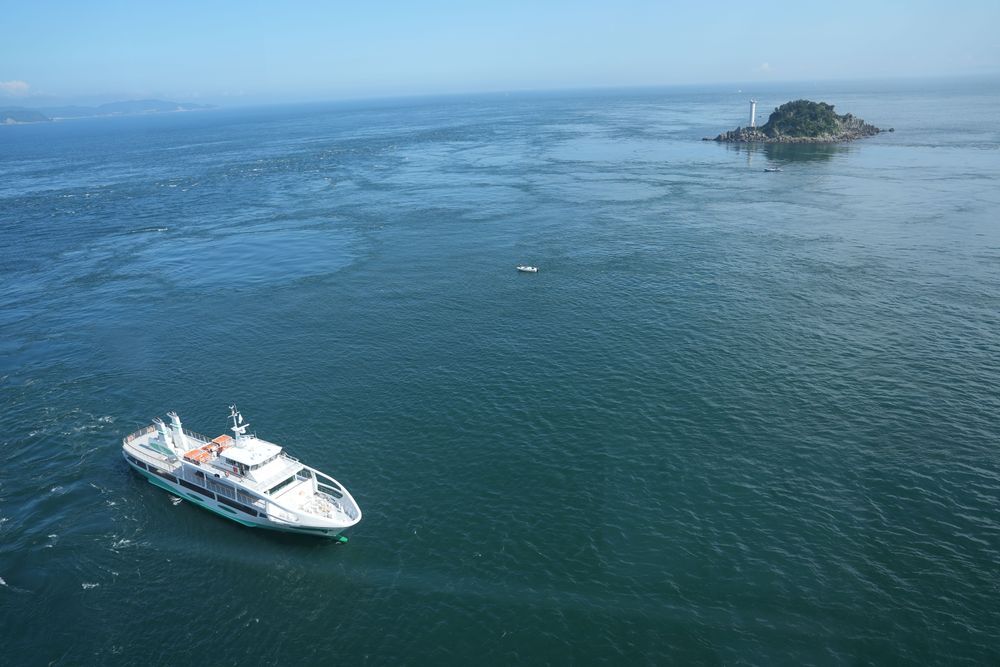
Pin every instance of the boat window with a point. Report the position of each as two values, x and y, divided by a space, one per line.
224 489
245 497
305 473
163 474
136 461
195 487
280 485
239 506
263 463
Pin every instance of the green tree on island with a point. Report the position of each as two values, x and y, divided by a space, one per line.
802 118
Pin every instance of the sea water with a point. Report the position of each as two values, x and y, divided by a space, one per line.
736 416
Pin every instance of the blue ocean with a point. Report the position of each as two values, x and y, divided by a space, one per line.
737 417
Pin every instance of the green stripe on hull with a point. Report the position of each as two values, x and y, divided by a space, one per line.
298 530
156 481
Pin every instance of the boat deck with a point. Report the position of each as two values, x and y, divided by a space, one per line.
302 497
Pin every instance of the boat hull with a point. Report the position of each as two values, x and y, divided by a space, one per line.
163 480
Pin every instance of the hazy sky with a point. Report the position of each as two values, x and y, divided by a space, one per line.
233 52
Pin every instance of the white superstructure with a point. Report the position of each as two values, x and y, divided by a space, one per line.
242 477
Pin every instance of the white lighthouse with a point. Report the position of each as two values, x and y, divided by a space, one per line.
753 113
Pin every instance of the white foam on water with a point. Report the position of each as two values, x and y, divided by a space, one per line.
15 589
120 544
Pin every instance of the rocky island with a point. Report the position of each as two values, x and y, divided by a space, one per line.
803 121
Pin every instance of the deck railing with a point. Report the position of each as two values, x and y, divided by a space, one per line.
152 427
196 435
138 434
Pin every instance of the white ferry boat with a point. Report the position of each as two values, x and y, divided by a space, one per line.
241 477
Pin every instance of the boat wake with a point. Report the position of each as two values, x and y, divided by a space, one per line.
148 230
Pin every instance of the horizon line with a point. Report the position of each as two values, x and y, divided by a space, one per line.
742 87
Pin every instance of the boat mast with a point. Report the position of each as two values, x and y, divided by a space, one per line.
237 418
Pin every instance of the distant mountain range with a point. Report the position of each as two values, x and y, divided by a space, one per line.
13 115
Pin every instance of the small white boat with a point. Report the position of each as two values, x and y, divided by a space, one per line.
243 478
772 168
528 269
